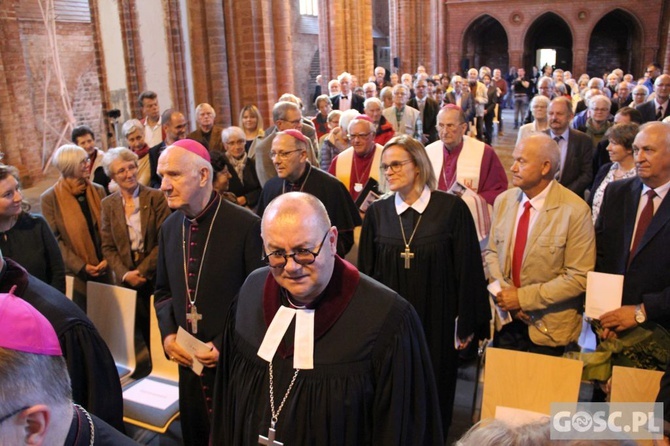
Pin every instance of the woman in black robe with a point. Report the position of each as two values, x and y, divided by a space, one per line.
423 244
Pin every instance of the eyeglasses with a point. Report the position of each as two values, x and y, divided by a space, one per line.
10 415
359 135
395 166
123 170
294 122
85 161
283 155
278 259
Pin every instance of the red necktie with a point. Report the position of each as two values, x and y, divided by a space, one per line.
520 244
643 223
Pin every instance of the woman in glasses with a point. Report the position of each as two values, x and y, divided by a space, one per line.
72 209
243 181
422 243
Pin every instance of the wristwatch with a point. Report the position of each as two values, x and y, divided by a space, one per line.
640 317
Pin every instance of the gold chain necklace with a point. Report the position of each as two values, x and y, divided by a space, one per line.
407 254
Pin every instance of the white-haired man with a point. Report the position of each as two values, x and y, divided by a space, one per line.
346 99
208 134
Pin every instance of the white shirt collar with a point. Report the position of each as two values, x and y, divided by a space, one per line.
537 202
661 191
565 134
419 205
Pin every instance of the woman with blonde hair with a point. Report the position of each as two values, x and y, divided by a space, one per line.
72 209
251 122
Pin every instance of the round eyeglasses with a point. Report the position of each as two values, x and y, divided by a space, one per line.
278 259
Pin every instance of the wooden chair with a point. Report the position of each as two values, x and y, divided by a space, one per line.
630 385
112 311
528 381
164 376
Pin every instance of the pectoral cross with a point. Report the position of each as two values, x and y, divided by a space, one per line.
407 255
270 439
193 317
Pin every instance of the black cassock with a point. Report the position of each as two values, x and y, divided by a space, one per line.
445 278
330 191
234 250
372 382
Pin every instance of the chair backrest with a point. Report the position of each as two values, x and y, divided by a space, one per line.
160 365
630 385
528 381
112 311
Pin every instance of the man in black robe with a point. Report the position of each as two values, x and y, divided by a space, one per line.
36 404
360 375
206 250
295 173
95 380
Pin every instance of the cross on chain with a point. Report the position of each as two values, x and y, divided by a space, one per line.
407 255
193 317
270 439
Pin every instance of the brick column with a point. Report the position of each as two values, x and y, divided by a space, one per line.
19 138
132 53
345 38
210 67
413 34
579 56
259 58
175 45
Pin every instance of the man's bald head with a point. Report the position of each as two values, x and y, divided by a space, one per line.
294 207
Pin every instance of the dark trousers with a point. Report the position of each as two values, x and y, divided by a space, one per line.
514 336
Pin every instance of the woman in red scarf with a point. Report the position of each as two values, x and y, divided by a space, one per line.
133 131
72 209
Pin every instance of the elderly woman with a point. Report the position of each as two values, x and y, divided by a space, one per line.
383 129
386 96
72 209
26 238
538 106
640 95
133 131
620 149
597 122
244 181
337 140
433 262
320 121
130 220
252 123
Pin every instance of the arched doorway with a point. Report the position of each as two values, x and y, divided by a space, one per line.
621 49
548 32
485 43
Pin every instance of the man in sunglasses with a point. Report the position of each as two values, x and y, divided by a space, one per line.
352 369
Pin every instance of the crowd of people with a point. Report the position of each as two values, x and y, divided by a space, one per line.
239 230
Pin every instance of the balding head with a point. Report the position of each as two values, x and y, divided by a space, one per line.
537 158
651 149
662 88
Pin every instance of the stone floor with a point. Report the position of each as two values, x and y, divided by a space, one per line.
463 412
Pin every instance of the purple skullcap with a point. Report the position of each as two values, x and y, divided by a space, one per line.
24 329
363 118
193 147
297 134
452 107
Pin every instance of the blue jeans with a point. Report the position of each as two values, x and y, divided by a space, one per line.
520 108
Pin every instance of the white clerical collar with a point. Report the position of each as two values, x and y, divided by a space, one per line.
661 191
303 344
419 205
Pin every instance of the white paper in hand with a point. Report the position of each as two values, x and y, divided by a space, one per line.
192 345
603 293
504 316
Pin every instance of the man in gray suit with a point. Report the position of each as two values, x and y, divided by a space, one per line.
576 172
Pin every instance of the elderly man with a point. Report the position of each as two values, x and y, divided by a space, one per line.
623 95
174 126
333 87
633 234
540 249
473 164
36 404
294 173
461 97
358 166
598 121
478 92
208 134
370 90
346 99
133 131
658 109
428 108
357 363
576 148
286 115
383 129
546 88
152 121
206 250
380 78
400 115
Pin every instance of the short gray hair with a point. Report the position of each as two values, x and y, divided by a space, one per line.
281 108
230 131
117 153
132 126
67 157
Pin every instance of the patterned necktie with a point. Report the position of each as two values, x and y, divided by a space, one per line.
659 113
520 244
643 223
558 140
